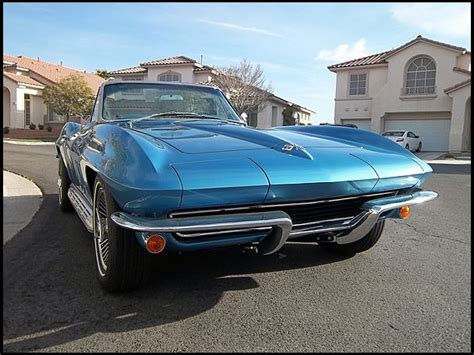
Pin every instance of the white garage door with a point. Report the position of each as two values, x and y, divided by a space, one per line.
434 134
362 124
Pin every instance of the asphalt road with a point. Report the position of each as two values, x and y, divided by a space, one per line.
409 293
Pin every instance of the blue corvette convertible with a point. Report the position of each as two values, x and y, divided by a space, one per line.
171 167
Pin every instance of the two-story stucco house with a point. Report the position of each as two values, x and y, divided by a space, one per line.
187 70
24 79
423 86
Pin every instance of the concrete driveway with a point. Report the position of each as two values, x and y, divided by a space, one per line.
21 199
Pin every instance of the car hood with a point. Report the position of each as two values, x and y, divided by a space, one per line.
226 164
206 136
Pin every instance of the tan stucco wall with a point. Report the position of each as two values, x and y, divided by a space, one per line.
6 107
265 116
38 110
457 130
464 61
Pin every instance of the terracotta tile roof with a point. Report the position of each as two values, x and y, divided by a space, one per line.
132 70
170 61
380 58
53 72
458 86
203 68
22 79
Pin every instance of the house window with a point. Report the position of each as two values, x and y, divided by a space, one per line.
169 76
420 77
27 110
358 84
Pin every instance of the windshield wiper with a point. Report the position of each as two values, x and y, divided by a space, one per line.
174 114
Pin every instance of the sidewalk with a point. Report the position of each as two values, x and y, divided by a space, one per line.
21 199
439 158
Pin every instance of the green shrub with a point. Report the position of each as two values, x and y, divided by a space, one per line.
6 130
49 128
32 126
40 126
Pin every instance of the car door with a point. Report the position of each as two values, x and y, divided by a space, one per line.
411 139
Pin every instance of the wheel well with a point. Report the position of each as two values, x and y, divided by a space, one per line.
90 175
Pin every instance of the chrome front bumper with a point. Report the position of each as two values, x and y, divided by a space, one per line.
346 230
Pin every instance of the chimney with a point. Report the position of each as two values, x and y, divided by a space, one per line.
61 63
38 59
201 59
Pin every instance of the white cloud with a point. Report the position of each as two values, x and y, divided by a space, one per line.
344 52
452 19
242 28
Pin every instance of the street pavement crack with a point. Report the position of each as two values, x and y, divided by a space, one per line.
427 234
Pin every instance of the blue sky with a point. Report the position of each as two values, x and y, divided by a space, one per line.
294 42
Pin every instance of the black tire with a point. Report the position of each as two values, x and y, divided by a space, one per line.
63 186
122 264
361 245
419 147
407 147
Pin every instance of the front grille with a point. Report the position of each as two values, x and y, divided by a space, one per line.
300 212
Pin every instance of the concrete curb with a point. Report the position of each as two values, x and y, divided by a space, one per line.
26 143
22 198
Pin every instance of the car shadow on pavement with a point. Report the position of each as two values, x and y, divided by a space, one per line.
52 297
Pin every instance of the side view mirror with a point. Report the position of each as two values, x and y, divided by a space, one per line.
244 117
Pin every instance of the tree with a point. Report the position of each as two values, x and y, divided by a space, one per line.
245 86
102 73
288 119
70 96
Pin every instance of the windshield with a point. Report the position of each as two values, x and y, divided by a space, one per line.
393 134
135 100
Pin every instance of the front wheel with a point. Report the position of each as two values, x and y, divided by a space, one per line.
407 147
63 186
122 264
419 147
367 242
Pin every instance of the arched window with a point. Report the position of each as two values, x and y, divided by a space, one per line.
420 76
169 76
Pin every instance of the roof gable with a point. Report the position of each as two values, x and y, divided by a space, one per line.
380 58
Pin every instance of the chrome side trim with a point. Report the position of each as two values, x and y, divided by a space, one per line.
82 207
193 235
229 209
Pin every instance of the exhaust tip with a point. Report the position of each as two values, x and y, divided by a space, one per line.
155 243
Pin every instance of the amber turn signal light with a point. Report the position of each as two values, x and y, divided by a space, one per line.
405 212
155 244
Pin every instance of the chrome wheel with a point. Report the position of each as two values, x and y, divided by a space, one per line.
60 188
101 241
